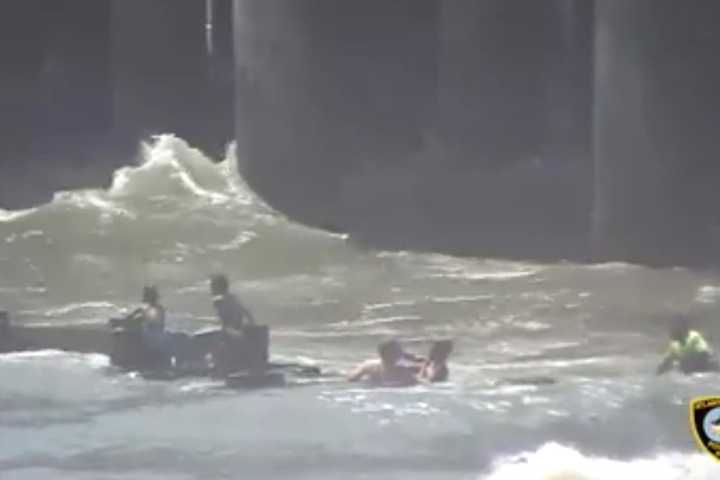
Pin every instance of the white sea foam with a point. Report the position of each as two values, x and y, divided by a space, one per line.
558 462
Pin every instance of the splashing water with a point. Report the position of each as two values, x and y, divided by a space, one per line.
177 217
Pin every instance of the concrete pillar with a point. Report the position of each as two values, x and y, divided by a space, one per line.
56 76
656 117
515 80
55 92
491 80
166 80
326 87
22 51
568 82
514 119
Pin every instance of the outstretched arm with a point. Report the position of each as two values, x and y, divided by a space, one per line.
360 372
422 376
666 364
673 354
414 358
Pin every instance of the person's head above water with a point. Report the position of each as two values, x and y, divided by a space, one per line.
150 294
440 350
390 352
680 328
219 284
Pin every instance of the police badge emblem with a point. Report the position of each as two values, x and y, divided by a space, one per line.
705 424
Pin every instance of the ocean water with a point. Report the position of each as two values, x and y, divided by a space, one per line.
177 217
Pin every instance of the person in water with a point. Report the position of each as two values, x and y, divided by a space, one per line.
232 351
435 368
232 314
151 317
688 351
389 369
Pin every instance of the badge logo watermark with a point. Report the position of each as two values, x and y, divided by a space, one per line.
705 424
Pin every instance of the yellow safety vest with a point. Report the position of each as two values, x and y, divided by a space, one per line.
694 343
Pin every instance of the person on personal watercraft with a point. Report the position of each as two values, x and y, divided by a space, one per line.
232 314
233 350
689 351
151 315
389 369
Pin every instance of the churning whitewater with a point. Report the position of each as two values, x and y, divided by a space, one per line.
177 217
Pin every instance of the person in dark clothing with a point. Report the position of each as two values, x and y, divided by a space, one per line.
232 351
232 313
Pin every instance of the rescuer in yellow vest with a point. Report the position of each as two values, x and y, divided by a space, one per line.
689 351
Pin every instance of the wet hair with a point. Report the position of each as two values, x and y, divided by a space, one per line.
219 283
440 350
390 351
150 294
679 328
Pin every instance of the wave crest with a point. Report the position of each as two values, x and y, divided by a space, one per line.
557 462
